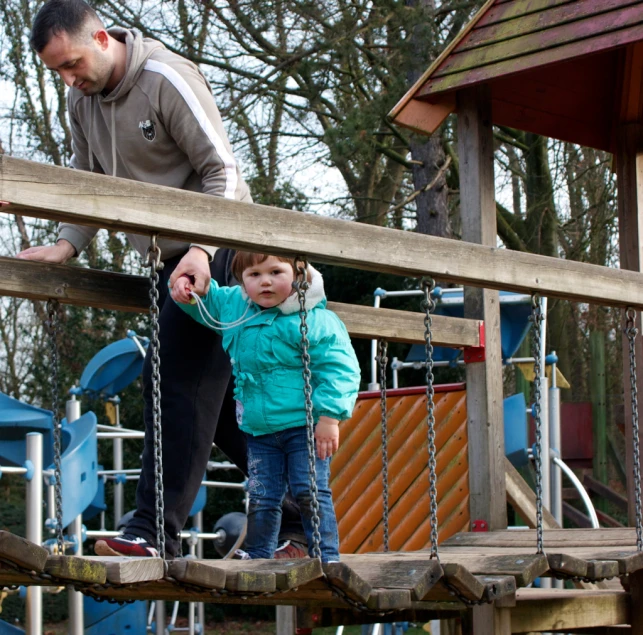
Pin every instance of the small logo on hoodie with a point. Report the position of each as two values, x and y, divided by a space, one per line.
148 129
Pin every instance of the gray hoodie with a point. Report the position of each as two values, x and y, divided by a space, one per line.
159 125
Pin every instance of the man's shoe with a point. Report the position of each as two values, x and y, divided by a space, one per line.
291 549
125 545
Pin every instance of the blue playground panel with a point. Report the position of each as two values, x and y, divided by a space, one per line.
16 420
103 618
9 629
514 325
515 424
112 369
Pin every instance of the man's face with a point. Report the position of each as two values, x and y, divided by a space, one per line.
81 62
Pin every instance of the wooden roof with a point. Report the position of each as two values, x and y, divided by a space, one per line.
568 69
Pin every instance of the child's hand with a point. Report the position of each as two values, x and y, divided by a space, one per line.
181 290
326 437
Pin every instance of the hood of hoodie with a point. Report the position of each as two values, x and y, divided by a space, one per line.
139 50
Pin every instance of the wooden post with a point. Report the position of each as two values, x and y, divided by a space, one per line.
599 409
484 379
629 171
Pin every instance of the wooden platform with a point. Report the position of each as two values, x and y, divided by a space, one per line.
473 569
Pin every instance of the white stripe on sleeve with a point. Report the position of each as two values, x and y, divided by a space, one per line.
229 164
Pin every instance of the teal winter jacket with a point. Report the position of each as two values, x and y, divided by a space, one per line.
266 357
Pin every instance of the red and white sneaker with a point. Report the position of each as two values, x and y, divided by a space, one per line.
125 545
291 549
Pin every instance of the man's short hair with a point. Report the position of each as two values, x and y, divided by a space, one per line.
60 16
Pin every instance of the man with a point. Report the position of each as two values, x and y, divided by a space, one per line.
138 111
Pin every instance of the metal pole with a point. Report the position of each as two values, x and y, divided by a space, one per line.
555 441
118 465
74 598
34 528
200 607
374 384
159 612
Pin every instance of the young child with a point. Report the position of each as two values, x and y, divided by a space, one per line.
259 324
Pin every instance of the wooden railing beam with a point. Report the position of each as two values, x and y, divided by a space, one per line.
106 290
56 193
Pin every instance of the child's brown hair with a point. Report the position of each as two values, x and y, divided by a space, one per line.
244 259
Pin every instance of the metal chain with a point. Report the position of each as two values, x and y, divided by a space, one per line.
428 304
382 359
300 284
153 257
536 320
53 308
631 331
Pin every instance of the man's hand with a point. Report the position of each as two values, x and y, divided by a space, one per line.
326 437
59 253
196 265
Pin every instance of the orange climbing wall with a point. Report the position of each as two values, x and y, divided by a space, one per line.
356 470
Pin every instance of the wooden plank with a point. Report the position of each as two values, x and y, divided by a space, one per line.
505 11
605 491
76 569
485 432
636 589
460 579
560 610
107 290
387 599
498 587
523 499
99 200
248 576
584 31
557 18
22 552
425 118
287 573
405 326
552 538
602 569
202 573
389 571
538 59
340 575
123 570
524 567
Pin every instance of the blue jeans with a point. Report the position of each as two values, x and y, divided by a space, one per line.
277 461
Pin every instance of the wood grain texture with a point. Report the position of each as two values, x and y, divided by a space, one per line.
107 290
22 552
200 573
122 570
42 190
559 610
76 569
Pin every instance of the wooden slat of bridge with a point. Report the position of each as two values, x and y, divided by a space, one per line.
592 554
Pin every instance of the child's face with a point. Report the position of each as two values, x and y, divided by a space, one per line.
268 283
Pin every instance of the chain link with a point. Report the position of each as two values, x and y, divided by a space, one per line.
53 310
631 331
536 320
155 264
428 304
300 284
382 359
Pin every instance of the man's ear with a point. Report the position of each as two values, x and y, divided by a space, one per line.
101 37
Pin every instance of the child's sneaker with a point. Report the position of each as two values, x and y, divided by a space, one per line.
291 549
125 545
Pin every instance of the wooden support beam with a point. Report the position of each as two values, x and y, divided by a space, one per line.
560 610
484 379
43 191
629 172
107 290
